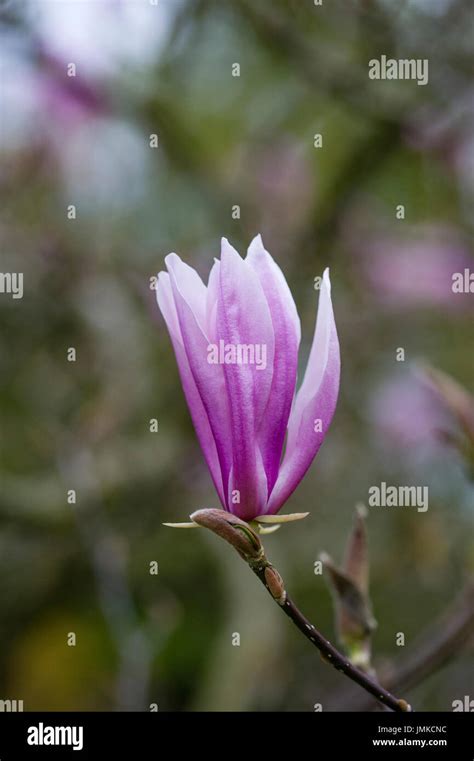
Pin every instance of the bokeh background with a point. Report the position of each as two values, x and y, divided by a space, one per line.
166 69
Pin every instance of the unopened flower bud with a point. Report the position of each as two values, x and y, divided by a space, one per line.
232 529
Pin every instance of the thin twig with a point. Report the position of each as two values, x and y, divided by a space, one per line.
248 545
328 652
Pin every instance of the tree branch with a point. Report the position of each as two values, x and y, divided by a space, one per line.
242 537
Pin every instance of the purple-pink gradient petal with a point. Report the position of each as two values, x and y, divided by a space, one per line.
315 402
243 318
287 330
199 416
208 378
242 412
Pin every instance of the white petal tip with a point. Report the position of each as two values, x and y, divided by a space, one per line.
171 259
256 247
226 247
228 251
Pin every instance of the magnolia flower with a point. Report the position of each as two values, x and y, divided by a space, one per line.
236 344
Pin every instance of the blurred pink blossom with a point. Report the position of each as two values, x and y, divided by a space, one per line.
67 99
406 413
418 272
449 134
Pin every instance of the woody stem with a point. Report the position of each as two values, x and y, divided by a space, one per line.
245 540
328 652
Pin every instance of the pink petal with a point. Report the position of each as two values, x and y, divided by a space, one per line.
191 287
213 289
198 413
287 331
315 400
209 378
243 318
